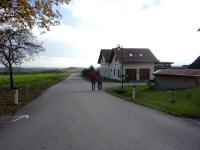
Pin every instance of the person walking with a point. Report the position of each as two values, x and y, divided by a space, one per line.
93 79
99 81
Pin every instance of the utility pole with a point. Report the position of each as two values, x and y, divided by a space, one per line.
120 48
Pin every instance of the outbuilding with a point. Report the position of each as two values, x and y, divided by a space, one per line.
177 78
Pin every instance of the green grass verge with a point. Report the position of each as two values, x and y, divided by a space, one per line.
112 80
29 85
184 106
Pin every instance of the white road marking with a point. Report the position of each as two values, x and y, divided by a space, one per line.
20 117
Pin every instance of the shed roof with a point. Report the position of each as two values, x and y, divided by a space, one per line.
178 72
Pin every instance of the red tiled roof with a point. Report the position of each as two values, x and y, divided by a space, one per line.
178 72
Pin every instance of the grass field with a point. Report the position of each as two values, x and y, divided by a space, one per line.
179 103
30 86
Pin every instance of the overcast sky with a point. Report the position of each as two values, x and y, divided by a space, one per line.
167 27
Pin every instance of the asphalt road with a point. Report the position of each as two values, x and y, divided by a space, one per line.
69 116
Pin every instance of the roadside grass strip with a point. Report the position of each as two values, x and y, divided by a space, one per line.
30 86
182 103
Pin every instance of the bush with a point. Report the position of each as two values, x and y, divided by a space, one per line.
119 91
88 71
85 72
151 84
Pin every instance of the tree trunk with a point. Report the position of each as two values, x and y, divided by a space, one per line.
11 76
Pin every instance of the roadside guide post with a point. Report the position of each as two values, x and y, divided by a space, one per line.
133 94
16 96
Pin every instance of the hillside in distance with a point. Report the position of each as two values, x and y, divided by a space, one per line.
40 69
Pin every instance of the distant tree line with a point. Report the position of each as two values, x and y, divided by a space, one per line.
88 71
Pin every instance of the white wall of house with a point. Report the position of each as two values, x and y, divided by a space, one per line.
104 68
139 66
113 70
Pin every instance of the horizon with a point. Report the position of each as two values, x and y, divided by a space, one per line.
29 67
86 27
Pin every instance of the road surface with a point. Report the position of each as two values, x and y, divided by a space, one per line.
69 116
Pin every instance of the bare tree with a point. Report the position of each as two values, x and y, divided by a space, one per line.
17 46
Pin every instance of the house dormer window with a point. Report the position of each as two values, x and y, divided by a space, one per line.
130 54
115 59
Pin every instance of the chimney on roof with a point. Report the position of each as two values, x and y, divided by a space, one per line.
119 47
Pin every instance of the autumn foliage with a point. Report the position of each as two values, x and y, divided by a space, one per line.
27 13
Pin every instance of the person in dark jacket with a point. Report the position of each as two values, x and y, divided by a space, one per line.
99 81
93 79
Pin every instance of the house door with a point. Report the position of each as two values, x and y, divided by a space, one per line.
131 74
144 74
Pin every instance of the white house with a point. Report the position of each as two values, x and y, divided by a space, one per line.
137 63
